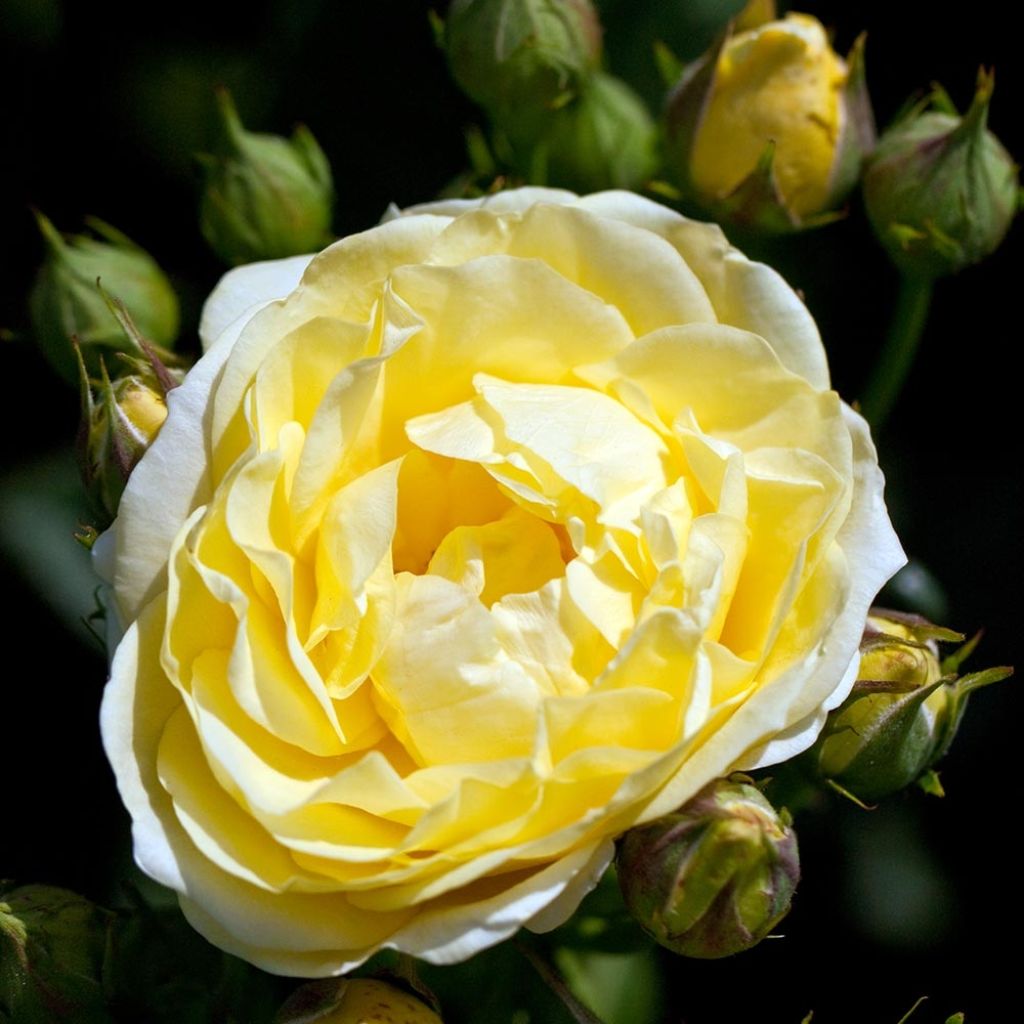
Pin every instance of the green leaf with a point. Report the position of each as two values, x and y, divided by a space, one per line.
621 988
41 506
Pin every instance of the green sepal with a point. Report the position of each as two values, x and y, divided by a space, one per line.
960 691
847 795
912 1010
900 746
931 784
757 204
858 130
670 67
922 629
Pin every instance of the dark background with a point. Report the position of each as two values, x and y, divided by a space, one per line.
101 113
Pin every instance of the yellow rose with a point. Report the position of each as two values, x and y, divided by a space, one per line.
491 532
778 84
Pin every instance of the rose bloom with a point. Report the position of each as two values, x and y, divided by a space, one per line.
471 542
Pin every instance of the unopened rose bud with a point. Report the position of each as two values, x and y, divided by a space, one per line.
769 128
264 196
520 59
940 189
65 301
52 949
121 417
355 1001
604 138
903 712
713 878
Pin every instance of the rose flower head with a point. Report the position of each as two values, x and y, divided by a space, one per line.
471 542
769 128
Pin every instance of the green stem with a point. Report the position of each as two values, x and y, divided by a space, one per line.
556 983
908 323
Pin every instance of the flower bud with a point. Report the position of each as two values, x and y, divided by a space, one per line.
355 1001
769 128
713 878
604 138
940 189
65 300
519 59
904 709
121 417
52 950
264 196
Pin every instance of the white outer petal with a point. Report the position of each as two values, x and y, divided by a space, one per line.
560 909
126 726
873 553
451 935
245 289
169 482
442 936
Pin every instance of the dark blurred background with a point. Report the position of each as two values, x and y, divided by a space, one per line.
101 113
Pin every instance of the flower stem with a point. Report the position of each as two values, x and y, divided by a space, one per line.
912 305
555 982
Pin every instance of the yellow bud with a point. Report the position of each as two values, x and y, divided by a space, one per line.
143 407
778 89
367 1001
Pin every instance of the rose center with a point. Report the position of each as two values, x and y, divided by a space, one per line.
454 521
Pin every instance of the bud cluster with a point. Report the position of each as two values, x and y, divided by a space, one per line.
121 416
560 119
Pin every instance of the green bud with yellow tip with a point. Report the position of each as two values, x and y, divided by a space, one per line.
264 196
941 190
66 302
121 416
355 1001
768 130
521 59
903 711
716 876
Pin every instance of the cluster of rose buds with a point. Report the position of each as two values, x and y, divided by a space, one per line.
535 67
716 876
121 416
